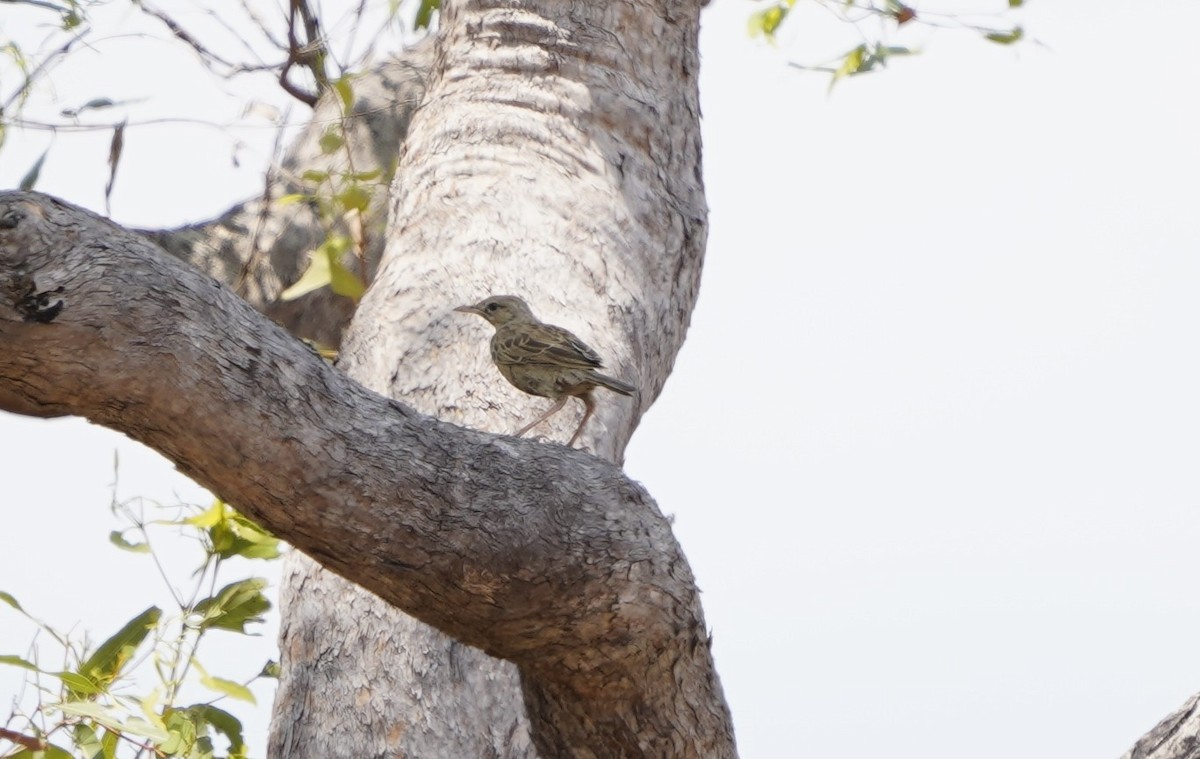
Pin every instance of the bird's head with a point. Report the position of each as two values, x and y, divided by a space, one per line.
500 309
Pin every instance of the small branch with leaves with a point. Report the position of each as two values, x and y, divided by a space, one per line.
92 704
876 22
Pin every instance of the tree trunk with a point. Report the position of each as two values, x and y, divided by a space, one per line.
557 158
580 193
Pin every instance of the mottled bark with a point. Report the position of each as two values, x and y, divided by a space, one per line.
1177 736
557 158
367 678
582 96
547 557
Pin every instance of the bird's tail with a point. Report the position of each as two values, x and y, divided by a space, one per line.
614 384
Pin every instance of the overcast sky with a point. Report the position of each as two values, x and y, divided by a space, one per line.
932 443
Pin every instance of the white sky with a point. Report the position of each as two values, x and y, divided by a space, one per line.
931 445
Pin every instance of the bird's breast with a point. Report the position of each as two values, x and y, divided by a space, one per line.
531 378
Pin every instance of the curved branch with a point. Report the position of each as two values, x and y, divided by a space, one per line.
535 553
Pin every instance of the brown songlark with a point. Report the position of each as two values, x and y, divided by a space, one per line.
542 359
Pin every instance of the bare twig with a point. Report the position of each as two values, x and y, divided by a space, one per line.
182 34
28 741
44 67
310 53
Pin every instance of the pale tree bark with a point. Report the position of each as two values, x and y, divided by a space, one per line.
1177 736
429 695
544 556
558 158
365 679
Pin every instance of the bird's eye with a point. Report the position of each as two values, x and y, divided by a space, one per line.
492 307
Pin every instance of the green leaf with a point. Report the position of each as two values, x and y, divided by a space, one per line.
223 722
766 22
335 246
110 658
425 13
114 719
184 732
139 726
31 177
1006 38
316 276
293 198
78 684
10 600
204 749
210 517
345 282
315 175
270 669
235 606
345 92
1015 3
232 534
242 537
149 704
117 538
229 688
325 268
50 752
17 661
354 198
109 742
851 64
87 741
366 176
330 141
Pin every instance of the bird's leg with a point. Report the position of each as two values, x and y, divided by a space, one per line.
589 405
543 417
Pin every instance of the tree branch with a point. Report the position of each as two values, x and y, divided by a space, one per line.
547 557
1175 737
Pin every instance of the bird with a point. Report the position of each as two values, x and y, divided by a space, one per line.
542 359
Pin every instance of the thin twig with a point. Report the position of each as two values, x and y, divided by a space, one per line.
44 67
182 34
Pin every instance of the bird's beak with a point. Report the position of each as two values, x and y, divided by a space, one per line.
470 310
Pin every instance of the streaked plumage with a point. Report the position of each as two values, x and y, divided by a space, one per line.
541 359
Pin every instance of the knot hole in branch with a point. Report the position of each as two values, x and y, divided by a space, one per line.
35 306
10 217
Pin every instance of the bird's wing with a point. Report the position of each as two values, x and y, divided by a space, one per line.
543 344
